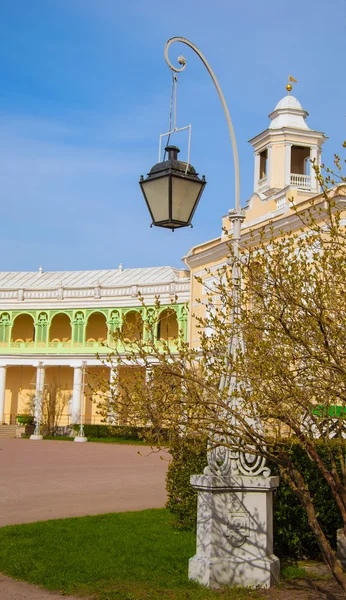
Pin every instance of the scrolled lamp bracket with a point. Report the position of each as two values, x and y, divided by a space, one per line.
182 62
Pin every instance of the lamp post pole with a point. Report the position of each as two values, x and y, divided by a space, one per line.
234 519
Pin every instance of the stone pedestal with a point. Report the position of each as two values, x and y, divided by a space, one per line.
234 532
80 438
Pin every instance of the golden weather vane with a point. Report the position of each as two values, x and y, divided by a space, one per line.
289 86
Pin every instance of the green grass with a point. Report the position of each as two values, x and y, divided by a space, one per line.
293 572
108 440
122 556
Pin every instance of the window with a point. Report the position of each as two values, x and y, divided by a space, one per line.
300 160
263 164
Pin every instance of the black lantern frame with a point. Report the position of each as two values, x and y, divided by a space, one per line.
173 171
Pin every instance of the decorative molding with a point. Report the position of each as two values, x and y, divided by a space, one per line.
97 293
286 133
288 222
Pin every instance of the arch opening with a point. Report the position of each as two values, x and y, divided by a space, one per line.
23 329
60 328
167 327
96 329
132 326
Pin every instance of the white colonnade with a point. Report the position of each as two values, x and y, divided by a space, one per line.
8 413
2 392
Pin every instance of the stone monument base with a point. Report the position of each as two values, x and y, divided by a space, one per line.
234 532
80 438
214 573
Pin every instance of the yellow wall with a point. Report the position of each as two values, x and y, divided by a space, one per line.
96 381
16 399
259 212
21 384
126 376
276 177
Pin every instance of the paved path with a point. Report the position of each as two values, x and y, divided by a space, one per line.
42 480
19 590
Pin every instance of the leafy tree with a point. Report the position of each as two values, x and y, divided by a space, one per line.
285 384
54 402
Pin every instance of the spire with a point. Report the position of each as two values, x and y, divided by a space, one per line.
289 85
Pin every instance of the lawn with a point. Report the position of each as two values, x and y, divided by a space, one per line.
121 556
105 440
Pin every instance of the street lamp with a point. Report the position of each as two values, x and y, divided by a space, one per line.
234 518
172 191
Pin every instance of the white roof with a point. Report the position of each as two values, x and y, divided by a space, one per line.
80 279
289 102
289 113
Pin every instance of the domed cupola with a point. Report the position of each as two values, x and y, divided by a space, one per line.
284 151
288 113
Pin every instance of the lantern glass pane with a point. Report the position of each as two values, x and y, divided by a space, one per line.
184 195
156 193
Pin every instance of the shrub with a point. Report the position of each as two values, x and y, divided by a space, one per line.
25 419
114 431
293 537
187 459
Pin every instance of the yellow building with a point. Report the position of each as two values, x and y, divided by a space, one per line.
282 172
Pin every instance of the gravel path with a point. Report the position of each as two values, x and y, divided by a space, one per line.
42 480
19 590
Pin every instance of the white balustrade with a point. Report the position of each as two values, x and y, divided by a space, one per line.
301 181
262 184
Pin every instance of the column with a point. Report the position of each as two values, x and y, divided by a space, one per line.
256 172
39 391
112 416
288 148
76 394
313 155
148 373
269 167
2 393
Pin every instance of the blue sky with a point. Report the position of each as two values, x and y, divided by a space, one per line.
85 94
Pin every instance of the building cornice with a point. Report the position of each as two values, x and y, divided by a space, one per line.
285 132
86 297
280 224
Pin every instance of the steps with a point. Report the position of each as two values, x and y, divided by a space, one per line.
8 431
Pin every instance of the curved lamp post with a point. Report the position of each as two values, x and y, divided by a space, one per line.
172 191
234 520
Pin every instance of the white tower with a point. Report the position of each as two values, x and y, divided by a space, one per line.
284 151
